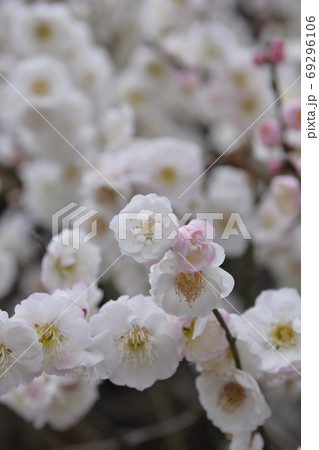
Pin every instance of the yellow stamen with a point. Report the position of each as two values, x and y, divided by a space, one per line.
136 347
51 339
4 357
283 335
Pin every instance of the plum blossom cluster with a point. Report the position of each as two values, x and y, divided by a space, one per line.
60 345
172 120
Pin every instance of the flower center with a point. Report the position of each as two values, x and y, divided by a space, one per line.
231 397
155 68
134 97
239 79
4 357
190 285
43 31
65 270
168 174
249 105
51 339
40 87
147 229
283 334
136 347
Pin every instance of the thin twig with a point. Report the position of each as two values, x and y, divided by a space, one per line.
231 340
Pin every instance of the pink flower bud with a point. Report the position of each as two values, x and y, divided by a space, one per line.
194 249
285 190
275 51
269 132
291 114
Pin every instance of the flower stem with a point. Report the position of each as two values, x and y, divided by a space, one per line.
231 340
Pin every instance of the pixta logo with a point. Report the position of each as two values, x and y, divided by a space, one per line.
73 216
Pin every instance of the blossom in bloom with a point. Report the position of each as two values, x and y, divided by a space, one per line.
100 190
41 79
276 316
92 69
145 228
59 401
63 265
146 345
232 401
20 353
194 249
47 189
60 326
285 189
164 166
189 294
71 114
41 28
169 167
204 338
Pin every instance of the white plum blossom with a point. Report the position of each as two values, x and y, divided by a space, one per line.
20 353
146 344
46 144
42 80
92 69
63 265
61 329
48 187
276 317
145 228
170 166
104 190
285 189
204 338
233 402
189 294
59 401
40 28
